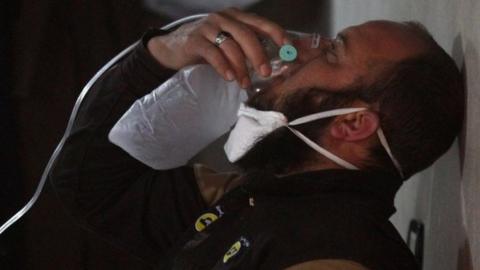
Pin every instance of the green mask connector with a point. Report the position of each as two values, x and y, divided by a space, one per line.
288 53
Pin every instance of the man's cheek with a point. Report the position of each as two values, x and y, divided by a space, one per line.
305 50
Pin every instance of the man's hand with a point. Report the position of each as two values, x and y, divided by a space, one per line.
193 43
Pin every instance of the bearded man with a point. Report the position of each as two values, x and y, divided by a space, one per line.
359 114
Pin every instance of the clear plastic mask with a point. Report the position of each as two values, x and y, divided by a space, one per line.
300 41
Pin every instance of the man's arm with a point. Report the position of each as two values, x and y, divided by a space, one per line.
108 191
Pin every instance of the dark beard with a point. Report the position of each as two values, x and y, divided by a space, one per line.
277 153
281 152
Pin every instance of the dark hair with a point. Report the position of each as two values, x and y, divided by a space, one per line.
421 104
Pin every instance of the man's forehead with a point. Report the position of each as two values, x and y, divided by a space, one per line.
383 39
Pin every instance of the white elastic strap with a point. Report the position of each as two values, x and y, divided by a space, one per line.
323 151
316 147
316 116
331 156
383 141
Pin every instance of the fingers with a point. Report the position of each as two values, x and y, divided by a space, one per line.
247 39
195 43
266 27
211 54
234 54
215 58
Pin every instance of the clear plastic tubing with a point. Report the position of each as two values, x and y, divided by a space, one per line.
281 58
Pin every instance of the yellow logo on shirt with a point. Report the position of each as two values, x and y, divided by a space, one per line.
204 220
234 249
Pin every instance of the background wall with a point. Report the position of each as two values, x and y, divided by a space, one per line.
444 197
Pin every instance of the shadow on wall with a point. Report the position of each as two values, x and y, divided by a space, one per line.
465 261
459 57
464 257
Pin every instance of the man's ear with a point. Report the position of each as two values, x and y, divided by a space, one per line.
355 126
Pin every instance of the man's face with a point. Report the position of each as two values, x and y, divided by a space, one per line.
320 80
353 57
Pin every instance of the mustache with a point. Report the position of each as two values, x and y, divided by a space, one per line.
306 101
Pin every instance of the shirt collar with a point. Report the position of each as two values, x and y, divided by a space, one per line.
380 187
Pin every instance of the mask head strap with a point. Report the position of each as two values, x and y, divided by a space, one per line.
328 154
271 120
321 115
323 151
383 141
316 147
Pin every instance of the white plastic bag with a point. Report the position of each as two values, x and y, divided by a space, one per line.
167 127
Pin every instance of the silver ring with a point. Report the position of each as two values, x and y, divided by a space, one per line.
221 37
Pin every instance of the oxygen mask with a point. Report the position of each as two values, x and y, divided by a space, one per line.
282 58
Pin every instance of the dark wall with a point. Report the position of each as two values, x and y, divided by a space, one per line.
10 177
56 47
53 49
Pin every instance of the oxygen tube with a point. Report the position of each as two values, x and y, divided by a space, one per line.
73 115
